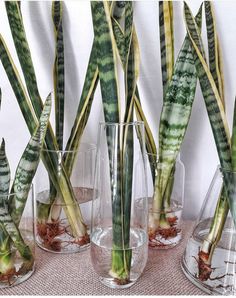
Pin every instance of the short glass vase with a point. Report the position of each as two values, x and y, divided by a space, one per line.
17 242
209 260
167 231
119 239
59 221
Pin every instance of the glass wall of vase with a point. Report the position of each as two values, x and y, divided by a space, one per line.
119 239
63 200
209 260
165 217
17 243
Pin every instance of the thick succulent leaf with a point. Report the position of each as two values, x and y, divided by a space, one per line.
213 49
23 52
17 86
85 103
49 158
28 165
106 60
166 41
210 93
5 175
175 115
119 38
58 71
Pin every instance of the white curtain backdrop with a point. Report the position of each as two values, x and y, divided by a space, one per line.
198 150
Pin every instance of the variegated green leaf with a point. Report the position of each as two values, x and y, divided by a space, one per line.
28 165
23 52
5 175
213 49
175 116
49 158
166 41
210 93
107 69
58 71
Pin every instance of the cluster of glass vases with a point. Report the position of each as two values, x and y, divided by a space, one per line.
103 190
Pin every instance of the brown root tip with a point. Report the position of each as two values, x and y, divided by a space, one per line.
7 276
121 282
168 233
172 220
83 240
204 268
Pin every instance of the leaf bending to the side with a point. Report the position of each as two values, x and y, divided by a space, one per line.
28 165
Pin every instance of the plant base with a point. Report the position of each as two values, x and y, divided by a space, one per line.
165 238
116 284
14 277
56 236
220 278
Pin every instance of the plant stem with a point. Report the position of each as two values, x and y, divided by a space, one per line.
213 237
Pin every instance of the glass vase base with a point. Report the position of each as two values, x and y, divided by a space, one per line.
114 283
16 279
162 243
221 279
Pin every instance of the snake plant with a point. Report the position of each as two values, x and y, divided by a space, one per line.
108 37
212 85
179 86
13 201
31 106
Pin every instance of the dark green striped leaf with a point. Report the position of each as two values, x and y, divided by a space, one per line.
58 71
28 165
166 41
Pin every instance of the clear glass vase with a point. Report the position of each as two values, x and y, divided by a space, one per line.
17 253
57 219
119 239
209 260
167 232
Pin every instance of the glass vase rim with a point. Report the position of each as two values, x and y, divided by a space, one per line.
103 123
92 146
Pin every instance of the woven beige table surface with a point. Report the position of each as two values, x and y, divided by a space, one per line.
73 275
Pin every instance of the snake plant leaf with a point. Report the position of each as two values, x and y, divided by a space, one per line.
58 71
83 111
107 69
214 49
23 52
17 86
5 175
210 93
28 165
166 41
119 38
175 115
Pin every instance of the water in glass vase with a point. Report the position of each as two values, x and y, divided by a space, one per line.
223 264
101 255
56 235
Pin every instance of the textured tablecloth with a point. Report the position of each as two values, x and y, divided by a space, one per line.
73 275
